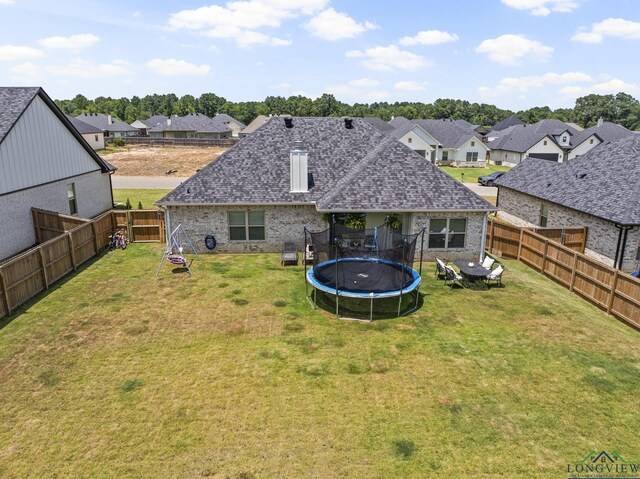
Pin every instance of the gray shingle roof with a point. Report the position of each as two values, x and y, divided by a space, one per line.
398 121
192 122
83 127
603 182
100 120
154 120
15 100
256 123
449 133
606 132
379 123
512 120
224 118
520 138
352 169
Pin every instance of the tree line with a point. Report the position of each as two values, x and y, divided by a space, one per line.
621 108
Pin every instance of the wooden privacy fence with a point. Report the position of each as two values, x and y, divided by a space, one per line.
66 242
611 290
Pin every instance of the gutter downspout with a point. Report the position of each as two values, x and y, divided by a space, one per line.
624 245
615 258
483 241
167 222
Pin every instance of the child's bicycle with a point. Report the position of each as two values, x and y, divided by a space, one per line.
118 240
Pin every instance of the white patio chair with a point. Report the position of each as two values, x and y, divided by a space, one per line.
451 275
496 275
440 267
488 262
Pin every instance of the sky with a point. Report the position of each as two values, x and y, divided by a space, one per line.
515 54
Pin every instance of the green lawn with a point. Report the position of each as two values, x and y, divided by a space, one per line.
471 174
147 197
230 374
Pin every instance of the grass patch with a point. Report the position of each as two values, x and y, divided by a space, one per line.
146 197
471 174
240 301
528 375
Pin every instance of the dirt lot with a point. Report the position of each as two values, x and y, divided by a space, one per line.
157 161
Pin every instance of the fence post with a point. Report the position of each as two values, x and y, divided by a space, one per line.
520 243
129 229
43 264
95 236
36 224
544 255
614 285
573 270
72 252
3 285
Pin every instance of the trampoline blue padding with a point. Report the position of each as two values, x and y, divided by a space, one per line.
364 278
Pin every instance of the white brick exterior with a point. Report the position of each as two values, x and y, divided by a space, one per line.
602 236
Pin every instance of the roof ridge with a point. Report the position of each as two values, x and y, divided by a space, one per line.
355 171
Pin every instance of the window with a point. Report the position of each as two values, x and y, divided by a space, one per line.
409 140
472 156
544 215
591 141
545 142
473 143
246 225
445 155
447 233
96 136
71 196
564 139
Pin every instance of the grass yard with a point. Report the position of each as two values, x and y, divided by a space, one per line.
230 374
471 174
146 196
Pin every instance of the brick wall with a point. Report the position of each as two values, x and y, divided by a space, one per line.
602 236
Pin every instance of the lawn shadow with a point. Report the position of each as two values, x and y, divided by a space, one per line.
18 311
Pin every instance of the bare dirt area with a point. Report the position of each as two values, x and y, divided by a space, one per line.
142 160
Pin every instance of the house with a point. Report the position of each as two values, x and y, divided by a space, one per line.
547 139
92 135
512 120
257 122
379 124
193 125
448 142
55 169
598 190
143 126
291 171
112 127
235 125
397 121
604 131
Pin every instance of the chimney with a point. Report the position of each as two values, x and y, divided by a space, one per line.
109 120
169 121
600 121
288 122
299 158
348 123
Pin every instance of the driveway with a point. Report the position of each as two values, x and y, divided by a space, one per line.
482 190
146 182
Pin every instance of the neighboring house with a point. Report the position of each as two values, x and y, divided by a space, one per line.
598 190
604 131
234 125
547 139
92 135
379 124
512 120
143 126
257 122
290 171
193 125
112 127
55 169
397 121
446 142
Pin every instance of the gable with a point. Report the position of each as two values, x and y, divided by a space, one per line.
420 139
478 145
550 147
40 149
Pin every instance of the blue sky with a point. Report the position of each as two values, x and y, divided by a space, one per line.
513 53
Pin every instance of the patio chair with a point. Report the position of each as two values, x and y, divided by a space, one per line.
496 275
451 275
441 268
289 254
488 262
308 254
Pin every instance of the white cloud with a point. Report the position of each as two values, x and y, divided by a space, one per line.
408 86
429 37
18 52
74 42
173 67
85 69
509 85
26 73
613 27
543 7
512 49
389 58
332 25
364 82
7 2
240 20
616 85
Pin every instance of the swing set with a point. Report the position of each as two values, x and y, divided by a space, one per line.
174 252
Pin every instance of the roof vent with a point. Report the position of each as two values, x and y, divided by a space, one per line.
348 123
288 122
581 176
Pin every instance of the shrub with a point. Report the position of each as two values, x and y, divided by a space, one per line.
128 204
140 205
118 142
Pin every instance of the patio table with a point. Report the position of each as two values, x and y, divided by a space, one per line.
474 273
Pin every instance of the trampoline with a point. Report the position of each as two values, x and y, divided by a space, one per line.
363 267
